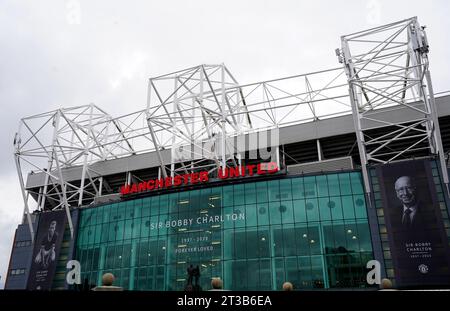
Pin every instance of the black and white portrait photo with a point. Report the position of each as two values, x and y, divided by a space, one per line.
410 210
46 253
46 250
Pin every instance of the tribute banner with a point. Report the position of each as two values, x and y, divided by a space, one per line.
46 250
417 238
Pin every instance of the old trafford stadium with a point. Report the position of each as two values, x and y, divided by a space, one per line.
334 179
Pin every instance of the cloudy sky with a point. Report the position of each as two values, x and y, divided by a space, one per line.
65 53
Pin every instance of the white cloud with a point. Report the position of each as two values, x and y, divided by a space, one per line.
126 66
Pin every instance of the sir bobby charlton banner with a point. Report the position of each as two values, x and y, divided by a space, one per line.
46 250
417 238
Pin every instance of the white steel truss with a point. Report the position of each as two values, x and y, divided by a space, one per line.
52 142
186 107
204 103
388 67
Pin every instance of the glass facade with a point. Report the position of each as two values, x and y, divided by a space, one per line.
311 230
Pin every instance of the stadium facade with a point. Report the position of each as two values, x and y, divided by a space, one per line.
314 193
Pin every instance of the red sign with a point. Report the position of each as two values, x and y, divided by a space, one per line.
200 177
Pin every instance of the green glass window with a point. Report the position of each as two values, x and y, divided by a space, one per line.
287 212
154 206
250 215
121 211
324 209
344 184
250 193
364 237
164 204
275 213
292 271
263 213
252 244
253 278
297 188
161 225
119 230
261 190
347 207
104 233
137 208
352 237
228 211
106 214
109 264
98 232
317 272
360 206
128 229
333 184
112 231
335 206
273 187
299 210
285 189
322 186
313 239
279 272
310 187
113 212
228 244
277 241
289 245
144 253
356 183
264 242
228 196
328 234
309 230
129 212
312 210
174 203
239 216
136 226
265 274
305 274
93 218
87 216
338 237
146 207
145 226
240 247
